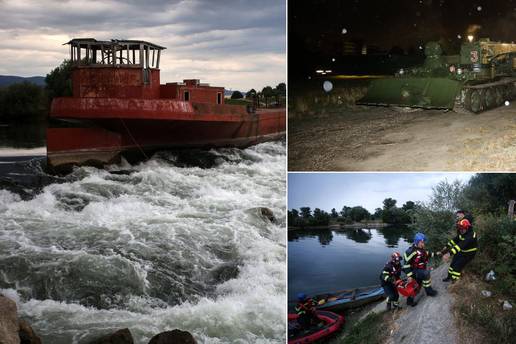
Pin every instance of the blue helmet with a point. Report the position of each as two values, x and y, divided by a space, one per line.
419 237
301 296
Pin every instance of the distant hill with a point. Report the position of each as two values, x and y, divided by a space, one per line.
6 80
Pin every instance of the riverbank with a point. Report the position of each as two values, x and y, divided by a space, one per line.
458 314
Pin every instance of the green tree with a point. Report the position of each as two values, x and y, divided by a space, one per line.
306 213
447 196
320 218
21 101
59 81
251 94
293 217
345 211
267 93
334 213
489 192
389 203
359 213
409 205
237 95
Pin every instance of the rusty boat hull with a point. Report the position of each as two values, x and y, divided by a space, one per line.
112 127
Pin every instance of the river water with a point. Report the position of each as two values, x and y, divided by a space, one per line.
164 244
329 260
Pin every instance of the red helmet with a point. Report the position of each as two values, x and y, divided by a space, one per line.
463 225
395 257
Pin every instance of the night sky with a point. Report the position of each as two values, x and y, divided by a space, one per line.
318 27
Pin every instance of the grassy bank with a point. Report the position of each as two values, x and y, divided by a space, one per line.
371 330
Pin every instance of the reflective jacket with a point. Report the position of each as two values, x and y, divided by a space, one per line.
306 307
463 243
415 258
391 272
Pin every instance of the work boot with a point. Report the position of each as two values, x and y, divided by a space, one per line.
410 301
430 292
448 278
388 305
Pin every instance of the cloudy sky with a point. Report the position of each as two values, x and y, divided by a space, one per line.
334 190
231 43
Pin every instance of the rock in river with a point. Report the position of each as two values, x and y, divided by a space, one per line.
173 337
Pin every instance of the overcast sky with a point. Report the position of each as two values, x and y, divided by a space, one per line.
334 190
231 43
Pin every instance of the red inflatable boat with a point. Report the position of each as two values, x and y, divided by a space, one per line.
331 323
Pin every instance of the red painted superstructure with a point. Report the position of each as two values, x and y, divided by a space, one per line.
121 106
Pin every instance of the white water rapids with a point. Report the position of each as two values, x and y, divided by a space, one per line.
158 247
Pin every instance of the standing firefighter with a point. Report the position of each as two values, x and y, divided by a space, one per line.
416 258
463 247
390 274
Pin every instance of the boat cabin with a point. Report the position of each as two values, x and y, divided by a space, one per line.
129 69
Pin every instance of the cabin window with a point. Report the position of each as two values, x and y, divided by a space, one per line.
187 96
219 98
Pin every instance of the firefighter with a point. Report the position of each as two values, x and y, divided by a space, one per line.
305 308
463 247
416 258
390 274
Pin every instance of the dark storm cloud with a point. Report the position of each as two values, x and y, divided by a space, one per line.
203 36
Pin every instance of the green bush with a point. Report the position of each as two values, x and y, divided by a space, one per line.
437 225
497 251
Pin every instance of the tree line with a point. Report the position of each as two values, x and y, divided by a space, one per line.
390 213
27 101
268 96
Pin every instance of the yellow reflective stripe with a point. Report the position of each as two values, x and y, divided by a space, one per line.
406 266
386 278
457 248
452 242
455 273
461 237
407 258
470 250
409 274
453 251
455 277
474 234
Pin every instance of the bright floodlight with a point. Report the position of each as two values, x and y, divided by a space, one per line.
470 38
344 31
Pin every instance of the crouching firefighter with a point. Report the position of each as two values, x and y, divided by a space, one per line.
305 308
415 266
463 247
390 274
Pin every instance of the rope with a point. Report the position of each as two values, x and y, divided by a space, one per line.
132 138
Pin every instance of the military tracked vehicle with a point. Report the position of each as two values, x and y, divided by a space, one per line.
482 77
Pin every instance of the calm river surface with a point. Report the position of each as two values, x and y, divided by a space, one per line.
330 260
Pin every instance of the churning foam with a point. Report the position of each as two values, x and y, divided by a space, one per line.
106 251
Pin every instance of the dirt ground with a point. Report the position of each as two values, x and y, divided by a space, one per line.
396 139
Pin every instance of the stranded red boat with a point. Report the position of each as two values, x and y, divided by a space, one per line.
330 324
119 106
